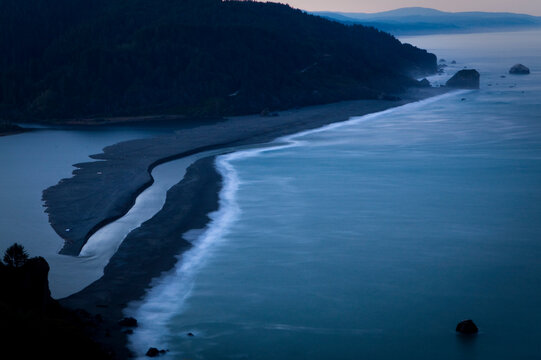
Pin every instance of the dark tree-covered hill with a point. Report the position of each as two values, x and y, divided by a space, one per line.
86 58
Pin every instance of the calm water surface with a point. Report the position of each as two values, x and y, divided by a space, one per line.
31 162
373 239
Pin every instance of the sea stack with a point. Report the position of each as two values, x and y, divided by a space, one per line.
519 69
465 79
424 83
467 327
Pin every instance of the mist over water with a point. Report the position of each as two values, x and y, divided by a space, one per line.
373 239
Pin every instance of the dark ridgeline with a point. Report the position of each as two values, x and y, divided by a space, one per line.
79 58
418 20
33 325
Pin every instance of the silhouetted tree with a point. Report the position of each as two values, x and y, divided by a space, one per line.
15 255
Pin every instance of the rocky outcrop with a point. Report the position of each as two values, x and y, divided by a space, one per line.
35 326
128 322
153 352
467 327
26 287
465 79
424 83
519 69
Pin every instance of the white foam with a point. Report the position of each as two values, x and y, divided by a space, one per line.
168 294
359 119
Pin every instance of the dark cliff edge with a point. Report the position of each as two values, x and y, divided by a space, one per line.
34 326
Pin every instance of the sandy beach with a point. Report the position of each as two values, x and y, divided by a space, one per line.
122 171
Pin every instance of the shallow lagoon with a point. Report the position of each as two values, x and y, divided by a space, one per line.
32 162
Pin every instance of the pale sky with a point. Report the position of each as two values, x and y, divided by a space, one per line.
532 7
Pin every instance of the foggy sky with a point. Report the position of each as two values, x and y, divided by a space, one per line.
532 7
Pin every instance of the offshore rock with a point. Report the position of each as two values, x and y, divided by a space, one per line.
465 79
467 327
519 69
128 322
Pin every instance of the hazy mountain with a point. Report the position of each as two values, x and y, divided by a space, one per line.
80 58
417 20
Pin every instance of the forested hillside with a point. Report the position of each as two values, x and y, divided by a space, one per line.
85 58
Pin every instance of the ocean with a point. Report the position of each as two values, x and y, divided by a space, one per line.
373 238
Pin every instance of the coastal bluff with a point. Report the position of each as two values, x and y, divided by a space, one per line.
465 79
191 58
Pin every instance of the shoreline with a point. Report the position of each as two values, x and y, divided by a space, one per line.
15 131
122 171
155 245
123 280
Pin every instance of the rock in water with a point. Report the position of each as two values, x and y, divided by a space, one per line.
152 352
519 69
467 327
465 79
128 322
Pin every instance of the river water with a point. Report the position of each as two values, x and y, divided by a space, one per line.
372 239
33 161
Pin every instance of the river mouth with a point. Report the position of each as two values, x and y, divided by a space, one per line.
102 245
35 160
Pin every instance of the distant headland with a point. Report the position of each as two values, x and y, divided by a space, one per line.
77 59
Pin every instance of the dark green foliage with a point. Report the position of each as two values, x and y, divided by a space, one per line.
80 58
15 256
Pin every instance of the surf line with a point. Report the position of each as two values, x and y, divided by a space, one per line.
169 293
